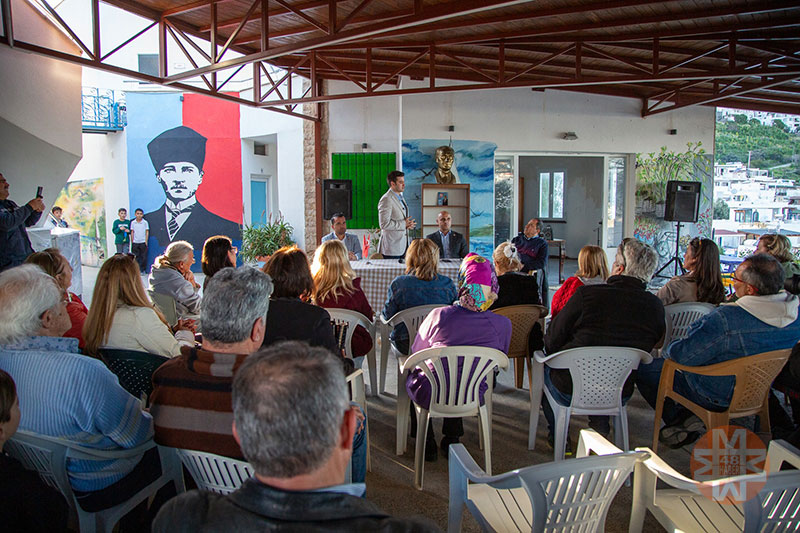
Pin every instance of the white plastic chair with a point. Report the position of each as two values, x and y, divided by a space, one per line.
598 374
358 394
680 316
687 506
412 318
48 457
461 398
353 319
215 473
566 496
166 304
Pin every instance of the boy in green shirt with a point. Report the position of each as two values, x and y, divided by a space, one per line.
121 231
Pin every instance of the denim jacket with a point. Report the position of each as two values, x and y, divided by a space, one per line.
728 332
408 291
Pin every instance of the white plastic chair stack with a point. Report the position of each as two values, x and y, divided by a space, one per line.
680 316
353 319
566 496
48 457
215 473
457 399
412 318
598 374
687 504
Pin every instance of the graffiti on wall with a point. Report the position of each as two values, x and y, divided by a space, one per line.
185 168
474 165
83 203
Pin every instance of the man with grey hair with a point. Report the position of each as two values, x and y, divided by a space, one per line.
763 318
620 312
70 396
292 420
191 399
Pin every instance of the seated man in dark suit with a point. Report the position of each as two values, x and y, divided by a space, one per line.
451 243
292 421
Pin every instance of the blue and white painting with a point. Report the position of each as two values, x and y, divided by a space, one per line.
474 165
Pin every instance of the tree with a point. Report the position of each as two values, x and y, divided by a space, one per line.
721 210
740 119
778 123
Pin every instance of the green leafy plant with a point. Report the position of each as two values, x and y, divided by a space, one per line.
265 239
656 169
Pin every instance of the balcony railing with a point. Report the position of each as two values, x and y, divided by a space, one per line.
102 110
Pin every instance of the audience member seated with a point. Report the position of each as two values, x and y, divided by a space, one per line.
468 322
191 399
620 312
592 270
779 247
26 503
300 467
420 285
516 288
56 265
350 240
451 244
763 319
218 253
533 253
702 281
336 286
122 317
290 317
172 275
68 395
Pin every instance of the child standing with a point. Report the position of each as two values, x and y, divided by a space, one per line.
121 230
26 503
140 233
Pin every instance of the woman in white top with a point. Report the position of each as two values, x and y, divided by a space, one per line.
121 316
172 275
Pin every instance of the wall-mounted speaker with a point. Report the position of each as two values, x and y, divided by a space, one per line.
337 197
683 201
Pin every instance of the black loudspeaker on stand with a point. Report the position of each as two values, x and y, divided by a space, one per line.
337 197
683 205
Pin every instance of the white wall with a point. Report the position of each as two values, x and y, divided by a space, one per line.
40 111
290 181
266 165
106 156
375 121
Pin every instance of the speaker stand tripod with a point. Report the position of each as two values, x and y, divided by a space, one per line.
676 258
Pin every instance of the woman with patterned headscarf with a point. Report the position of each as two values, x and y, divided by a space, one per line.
468 322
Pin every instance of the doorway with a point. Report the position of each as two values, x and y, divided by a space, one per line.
259 199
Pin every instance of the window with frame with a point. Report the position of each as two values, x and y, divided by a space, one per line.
551 194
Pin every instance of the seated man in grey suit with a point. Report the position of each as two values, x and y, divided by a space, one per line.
350 241
451 244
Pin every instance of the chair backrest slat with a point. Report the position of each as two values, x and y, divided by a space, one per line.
412 318
680 316
215 473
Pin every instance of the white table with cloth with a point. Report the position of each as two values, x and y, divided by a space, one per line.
377 274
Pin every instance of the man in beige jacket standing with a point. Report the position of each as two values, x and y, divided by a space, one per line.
393 218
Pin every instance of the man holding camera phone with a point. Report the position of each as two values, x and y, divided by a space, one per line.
14 243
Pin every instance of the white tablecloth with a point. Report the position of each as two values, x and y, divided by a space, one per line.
377 274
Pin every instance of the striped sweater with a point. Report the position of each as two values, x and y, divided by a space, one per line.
74 397
191 402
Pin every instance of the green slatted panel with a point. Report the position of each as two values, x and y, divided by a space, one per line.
368 173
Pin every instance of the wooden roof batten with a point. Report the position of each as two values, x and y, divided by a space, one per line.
668 53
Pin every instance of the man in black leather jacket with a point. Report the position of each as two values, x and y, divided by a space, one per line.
293 424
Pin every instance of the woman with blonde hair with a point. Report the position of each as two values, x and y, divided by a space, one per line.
592 270
336 286
421 285
56 265
516 288
779 247
122 317
172 275
702 281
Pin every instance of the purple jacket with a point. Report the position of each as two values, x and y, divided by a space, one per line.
456 326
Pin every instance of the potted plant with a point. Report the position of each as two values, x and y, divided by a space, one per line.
655 170
259 242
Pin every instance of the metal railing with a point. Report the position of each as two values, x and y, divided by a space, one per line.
102 110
